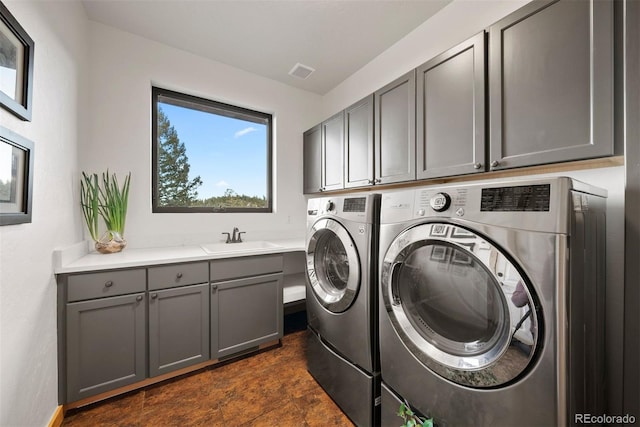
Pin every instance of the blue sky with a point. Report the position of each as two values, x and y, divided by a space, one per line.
225 152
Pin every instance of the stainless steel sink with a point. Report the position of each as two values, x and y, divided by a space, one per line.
250 246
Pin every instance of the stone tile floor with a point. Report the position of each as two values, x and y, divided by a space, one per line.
271 388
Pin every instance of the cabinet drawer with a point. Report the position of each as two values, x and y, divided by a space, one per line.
170 276
105 284
245 266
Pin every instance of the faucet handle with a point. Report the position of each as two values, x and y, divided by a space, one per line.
228 237
240 233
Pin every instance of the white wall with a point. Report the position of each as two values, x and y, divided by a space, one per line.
28 342
123 69
455 23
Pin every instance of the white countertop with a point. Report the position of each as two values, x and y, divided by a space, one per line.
66 262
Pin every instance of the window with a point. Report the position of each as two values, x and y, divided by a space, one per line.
208 156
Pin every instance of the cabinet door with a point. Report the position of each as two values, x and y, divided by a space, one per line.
106 345
358 144
245 313
450 111
395 132
332 152
312 160
178 328
551 83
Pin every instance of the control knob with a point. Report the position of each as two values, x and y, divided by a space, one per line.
329 206
440 202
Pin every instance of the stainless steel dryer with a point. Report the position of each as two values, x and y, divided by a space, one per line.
492 302
342 351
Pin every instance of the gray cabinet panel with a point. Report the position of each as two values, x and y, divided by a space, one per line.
106 345
450 105
170 276
312 160
551 83
232 268
245 313
332 152
105 284
358 144
178 328
395 134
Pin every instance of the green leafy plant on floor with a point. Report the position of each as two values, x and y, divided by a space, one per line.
411 419
109 201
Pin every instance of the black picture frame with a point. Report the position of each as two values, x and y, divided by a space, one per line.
16 56
16 178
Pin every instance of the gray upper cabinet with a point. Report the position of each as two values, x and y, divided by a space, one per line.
332 152
551 83
395 132
358 144
450 106
312 160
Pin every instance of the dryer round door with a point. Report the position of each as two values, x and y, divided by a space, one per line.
333 266
460 305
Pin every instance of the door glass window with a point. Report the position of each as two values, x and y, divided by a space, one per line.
331 263
451 299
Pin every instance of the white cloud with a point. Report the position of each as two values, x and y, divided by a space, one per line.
244 131
222 184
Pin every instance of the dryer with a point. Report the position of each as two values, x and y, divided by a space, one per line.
492 302
342 350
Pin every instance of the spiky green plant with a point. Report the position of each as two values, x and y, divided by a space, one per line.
114 202
89 193
109 201
411 419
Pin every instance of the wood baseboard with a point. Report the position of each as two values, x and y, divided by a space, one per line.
57 417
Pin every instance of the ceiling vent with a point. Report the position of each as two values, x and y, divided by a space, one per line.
301 71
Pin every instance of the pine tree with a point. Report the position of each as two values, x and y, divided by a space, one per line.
174 186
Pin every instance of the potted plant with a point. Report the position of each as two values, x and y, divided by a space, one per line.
109 201
411 419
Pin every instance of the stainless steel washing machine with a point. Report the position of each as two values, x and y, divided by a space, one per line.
492 302
342 350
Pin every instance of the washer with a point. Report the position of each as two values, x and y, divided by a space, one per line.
492 302
342 351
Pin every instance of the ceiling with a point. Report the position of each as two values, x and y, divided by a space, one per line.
268 37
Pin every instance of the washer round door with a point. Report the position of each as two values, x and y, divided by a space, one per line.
460 305
333 266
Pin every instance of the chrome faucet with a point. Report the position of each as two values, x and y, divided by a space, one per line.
233 238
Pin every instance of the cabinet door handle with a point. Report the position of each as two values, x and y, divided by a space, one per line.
477 165
179 276
377 181
154 296
214 288
139 298
108 284
495 164
370 181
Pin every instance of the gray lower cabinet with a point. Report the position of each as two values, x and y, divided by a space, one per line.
178 316
312 160
551 83
395 131
106 345
358 144
178 328
450 106
246 303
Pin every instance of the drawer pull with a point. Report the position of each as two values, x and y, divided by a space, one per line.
108 284
139 298
179 276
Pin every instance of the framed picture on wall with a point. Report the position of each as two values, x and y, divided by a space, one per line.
16 66
16 178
